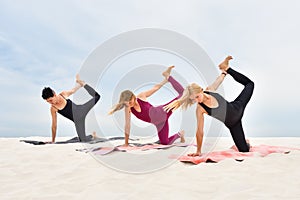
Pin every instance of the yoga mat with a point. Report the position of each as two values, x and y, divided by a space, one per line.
232 153
76 140
132 147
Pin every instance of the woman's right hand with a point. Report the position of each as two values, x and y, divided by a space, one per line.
194 154
125 145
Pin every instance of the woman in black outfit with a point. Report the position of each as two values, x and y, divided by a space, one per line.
67 108
213 104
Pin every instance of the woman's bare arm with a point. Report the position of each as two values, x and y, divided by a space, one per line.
80 83
68 93
148 93
215 85
199 132
54 122
127 124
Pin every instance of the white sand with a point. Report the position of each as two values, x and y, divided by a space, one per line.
59 172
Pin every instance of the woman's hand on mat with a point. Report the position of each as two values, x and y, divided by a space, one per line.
194 154
125 145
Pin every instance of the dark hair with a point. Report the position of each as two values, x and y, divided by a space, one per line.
47 93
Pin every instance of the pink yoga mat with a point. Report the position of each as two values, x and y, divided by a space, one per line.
216 156
104 150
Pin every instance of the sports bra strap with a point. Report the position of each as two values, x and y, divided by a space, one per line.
62 96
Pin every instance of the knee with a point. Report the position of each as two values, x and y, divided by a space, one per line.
164 142
82 138
251 84
97 97
245 149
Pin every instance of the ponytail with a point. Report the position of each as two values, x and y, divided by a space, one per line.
117 107
172 106
125 96
184 101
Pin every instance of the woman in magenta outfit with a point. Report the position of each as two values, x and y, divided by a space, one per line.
143 110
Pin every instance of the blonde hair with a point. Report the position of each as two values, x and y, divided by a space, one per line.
125 96
185 101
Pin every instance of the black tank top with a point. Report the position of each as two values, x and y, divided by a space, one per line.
218 112
67 110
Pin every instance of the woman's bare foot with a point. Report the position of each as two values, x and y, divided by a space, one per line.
94 135
79 81
182 139
168 72
225 64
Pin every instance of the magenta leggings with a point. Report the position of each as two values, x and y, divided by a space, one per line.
159 117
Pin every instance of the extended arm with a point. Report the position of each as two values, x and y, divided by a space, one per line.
127 125
68 93
148 93
199 132
215 85
80 82
54 123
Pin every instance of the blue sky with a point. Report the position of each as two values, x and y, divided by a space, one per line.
45 43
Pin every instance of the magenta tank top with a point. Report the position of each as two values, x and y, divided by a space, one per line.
145 109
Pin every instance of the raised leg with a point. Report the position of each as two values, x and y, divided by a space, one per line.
86 107
247 92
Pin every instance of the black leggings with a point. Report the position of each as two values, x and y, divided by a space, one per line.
80 112
234 122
